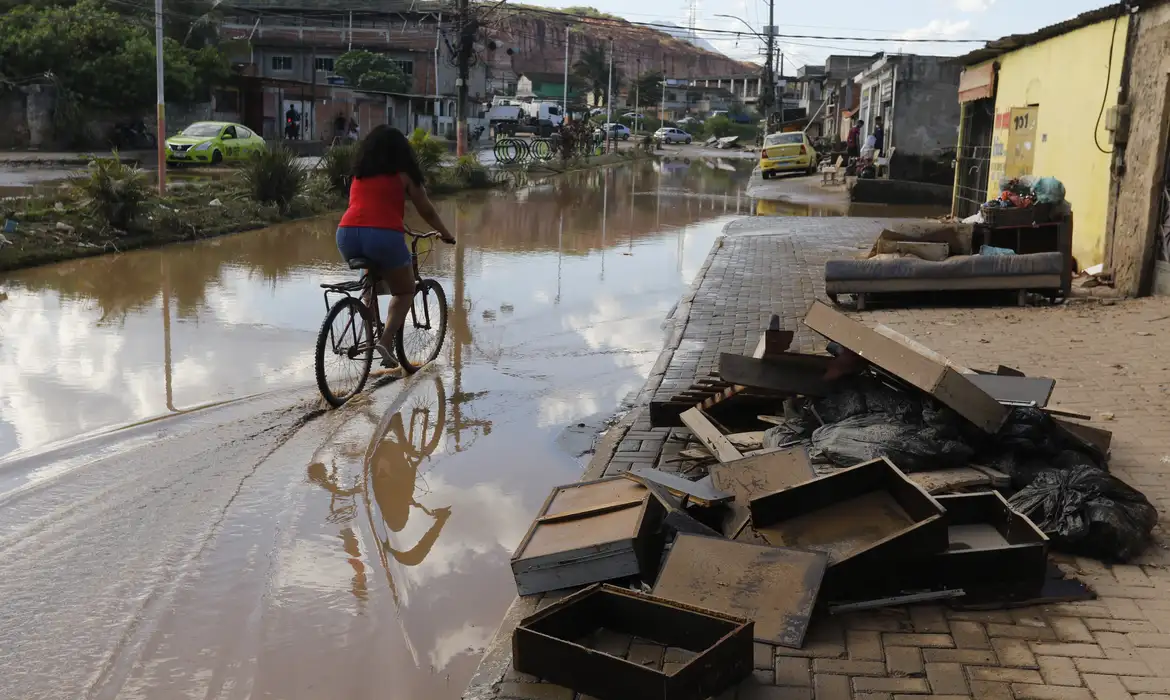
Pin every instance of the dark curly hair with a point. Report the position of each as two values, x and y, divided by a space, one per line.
386 151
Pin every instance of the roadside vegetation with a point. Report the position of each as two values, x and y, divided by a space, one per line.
113 206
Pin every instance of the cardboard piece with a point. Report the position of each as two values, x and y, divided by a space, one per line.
547 645
589 532
927 374
775 587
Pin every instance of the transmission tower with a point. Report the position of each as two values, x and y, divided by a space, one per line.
692 18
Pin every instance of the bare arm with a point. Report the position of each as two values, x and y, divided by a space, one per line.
418 195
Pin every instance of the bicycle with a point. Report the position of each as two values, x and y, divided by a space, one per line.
352 327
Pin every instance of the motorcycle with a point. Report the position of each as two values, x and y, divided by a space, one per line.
133 135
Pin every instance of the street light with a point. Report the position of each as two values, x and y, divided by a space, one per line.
761 36
768 75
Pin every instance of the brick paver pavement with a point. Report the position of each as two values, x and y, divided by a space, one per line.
1109 360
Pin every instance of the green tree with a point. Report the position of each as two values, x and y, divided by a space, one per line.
100 58
649 88
372 71
593 67
719 126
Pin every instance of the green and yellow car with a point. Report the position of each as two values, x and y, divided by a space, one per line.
213 143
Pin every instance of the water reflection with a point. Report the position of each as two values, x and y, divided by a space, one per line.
114 339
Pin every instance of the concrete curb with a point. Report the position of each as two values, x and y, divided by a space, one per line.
497 656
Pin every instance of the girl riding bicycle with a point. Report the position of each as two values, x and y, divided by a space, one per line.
385 173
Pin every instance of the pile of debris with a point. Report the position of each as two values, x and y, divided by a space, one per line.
873 478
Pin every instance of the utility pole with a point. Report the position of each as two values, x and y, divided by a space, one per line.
565 101
608 98
160 109
638 93
768 76
467 28
662 110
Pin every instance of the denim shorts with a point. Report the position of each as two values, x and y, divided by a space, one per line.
384 247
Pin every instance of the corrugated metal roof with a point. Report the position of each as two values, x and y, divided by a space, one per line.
1015 42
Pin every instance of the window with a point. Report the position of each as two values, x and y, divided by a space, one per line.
554 111
406 66
282 63
230 132
324 64
243 133
783 139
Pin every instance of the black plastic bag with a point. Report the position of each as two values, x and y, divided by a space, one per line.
909 446
1086 510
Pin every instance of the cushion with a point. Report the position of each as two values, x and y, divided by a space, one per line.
956 266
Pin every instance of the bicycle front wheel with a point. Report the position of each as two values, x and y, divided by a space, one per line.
345 350
421 337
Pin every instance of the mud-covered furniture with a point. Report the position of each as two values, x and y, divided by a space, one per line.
1043 273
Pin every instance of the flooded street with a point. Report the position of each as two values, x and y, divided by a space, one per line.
180 518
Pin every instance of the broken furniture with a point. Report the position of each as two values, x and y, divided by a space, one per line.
829 172
701 492
774 586
866 518
758 475
589 532
550 645
1032 238
925 372
1042 273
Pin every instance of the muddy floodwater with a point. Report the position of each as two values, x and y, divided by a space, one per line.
179 517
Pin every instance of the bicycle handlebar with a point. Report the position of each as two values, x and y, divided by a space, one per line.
428 234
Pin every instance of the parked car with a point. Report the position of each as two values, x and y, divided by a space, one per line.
671 135
616 131
632 115
213 143
787 152
689 121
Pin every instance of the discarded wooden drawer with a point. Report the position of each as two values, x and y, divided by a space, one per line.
865 518
993 551
548 645
774 586
923 371
701 492
590 532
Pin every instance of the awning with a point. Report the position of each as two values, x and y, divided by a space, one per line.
977 83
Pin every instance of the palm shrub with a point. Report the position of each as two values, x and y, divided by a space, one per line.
337 167
274 177
428 151
116 192
472 172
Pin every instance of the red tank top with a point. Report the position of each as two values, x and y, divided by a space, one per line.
376 202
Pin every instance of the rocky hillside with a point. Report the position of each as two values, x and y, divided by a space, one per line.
537 41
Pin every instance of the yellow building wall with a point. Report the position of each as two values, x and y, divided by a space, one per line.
1065 78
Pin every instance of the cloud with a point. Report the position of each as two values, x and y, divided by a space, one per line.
938 29
974 5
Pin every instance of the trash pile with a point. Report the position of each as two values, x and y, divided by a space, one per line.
872 476
1024 200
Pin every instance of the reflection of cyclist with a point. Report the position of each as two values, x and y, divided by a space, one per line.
385 173
349 541
392 475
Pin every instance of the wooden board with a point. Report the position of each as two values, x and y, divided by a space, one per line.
710 436
1016 389
700 492
919 348
752 440
949 480
754 476
777 374
777 588
925 373
1096 439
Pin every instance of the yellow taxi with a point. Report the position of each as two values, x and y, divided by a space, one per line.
787 152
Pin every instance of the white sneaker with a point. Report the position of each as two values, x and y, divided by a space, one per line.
387 357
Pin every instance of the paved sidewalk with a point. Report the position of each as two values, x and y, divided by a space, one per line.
1112 361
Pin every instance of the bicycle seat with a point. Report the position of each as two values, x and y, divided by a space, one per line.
359 263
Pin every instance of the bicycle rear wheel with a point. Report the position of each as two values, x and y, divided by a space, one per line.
345 350
421 337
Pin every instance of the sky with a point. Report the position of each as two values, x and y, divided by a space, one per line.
891 19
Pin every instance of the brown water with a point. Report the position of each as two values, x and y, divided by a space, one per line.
258 547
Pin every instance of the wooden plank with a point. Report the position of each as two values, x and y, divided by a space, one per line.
755 476
773 374
752 440
772 420
701 492
709 435
587 512
1066 413
777 588
1018 389
919 348
1096 439
999 480
696 453
923 372
948 480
